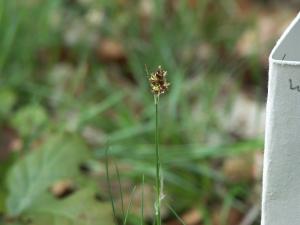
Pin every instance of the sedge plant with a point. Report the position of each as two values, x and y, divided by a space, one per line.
159 85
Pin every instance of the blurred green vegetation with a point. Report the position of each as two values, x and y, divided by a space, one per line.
72 79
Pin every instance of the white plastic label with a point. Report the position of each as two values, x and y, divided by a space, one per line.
281 179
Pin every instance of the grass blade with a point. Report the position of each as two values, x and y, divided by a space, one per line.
120 189
176 215
109 184
129 205
142 201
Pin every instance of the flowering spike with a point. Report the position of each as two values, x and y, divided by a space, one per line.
158 82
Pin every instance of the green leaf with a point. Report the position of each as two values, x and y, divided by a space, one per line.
7 101
4 168
80 208
30 177
29 119
2 200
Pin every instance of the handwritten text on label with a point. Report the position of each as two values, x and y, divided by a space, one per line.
292 87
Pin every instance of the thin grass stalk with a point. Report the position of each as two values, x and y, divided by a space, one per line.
159 85
176 215
129 206
120 190
142 201
109 185
158 172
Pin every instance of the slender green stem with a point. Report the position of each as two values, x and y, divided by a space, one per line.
129 206
176 215
158 175
120 189
142 201
109 185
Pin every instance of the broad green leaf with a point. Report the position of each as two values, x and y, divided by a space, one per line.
7 101
81 208
2 200
58 158
4 168
29 119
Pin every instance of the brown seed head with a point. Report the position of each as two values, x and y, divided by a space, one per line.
158 81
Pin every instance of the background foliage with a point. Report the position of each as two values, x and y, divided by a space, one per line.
72 79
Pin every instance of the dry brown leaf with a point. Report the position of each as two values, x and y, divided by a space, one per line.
234 217
258 165
239 168
9 141
111 50
192 217
62 188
